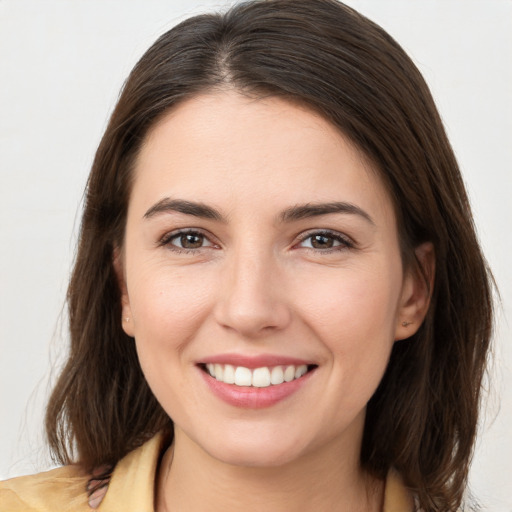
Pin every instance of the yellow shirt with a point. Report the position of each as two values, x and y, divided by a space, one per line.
131 488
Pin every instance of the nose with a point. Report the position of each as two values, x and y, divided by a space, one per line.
252 298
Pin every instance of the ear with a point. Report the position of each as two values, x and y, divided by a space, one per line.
126 312
416 292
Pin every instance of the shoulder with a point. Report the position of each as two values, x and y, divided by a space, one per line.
66 489
58 490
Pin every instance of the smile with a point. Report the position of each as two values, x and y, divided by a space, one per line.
256 382
258 377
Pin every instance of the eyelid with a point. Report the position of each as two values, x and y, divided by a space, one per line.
346 242
165 240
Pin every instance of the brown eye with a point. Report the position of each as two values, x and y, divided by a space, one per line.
322 241
326 241
191 241
186 240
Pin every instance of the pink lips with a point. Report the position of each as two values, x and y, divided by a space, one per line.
252 397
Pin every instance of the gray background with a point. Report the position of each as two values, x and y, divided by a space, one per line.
62 64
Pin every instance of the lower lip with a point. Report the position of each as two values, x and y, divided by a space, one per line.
252 397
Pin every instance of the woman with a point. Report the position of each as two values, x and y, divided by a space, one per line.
278 300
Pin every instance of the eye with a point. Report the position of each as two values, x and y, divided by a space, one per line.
186 240
325 240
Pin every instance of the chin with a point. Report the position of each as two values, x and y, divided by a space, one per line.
256 450
256 457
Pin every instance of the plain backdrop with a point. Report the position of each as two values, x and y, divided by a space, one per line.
62 64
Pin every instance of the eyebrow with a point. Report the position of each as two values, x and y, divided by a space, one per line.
291 214
316 209
168 205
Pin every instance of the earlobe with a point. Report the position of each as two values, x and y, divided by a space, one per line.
126 321
416 292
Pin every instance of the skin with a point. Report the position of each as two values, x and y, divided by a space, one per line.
254 283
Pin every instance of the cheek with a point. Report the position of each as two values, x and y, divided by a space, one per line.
353 300
167 307
163 297
354 316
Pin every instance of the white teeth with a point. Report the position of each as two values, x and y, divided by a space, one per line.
243 376
277 375
289 373
259 377
300 371
219 371
229 374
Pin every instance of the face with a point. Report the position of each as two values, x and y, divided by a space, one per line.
261 278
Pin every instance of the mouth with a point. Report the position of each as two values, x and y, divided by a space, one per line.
261 377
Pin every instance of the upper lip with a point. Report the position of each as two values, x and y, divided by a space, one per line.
254 361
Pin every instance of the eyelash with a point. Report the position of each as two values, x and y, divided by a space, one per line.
166 240
344 242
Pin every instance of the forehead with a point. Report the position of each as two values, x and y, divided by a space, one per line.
225 146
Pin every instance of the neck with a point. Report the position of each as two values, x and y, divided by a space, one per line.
326 479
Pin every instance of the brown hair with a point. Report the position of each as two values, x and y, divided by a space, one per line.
422 419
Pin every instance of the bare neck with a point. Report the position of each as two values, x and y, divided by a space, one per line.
328 479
